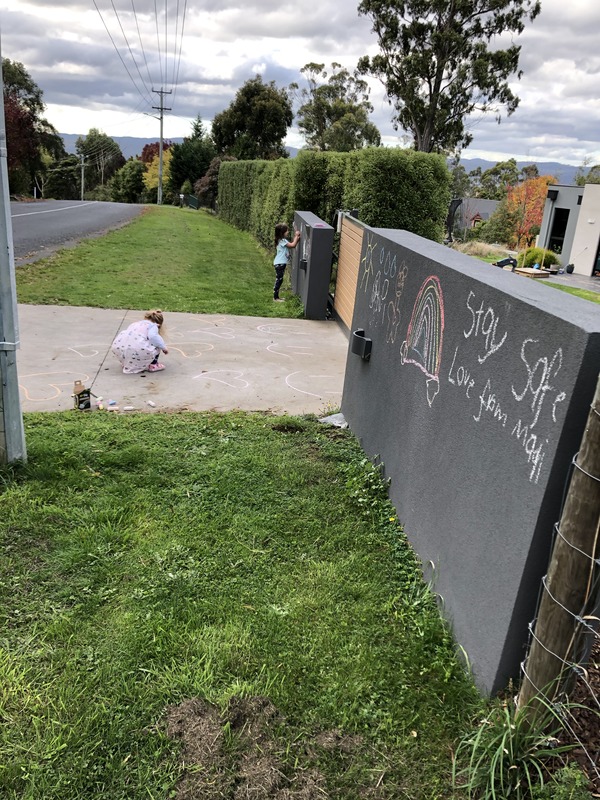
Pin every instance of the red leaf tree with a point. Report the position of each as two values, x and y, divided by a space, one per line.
525 203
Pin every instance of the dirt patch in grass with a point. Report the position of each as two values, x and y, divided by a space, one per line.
242 754
289 427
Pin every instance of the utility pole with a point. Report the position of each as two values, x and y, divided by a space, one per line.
161 108
82 157
570 589
12 434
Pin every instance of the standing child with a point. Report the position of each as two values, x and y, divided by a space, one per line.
282 256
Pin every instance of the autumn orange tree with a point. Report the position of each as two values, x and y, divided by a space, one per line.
525 204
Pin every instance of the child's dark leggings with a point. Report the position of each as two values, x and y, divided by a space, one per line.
279 272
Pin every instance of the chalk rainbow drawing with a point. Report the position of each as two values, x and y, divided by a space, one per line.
425 335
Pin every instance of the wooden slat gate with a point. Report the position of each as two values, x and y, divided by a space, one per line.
351 239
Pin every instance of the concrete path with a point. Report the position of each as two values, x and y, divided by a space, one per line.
214 362
575 280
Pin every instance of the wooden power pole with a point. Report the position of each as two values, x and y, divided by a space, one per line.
570 587
162 110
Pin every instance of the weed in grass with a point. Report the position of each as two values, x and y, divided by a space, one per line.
568 783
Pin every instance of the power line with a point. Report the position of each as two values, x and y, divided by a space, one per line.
175 47
176 80
137 25
166 40
118 53
129 48
158 43
169 44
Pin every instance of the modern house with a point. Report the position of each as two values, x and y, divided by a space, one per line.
571 226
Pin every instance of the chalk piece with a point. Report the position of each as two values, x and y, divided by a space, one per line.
128 408
113 408
112 402
152 403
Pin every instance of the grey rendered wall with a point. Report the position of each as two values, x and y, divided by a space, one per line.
475 398
311 263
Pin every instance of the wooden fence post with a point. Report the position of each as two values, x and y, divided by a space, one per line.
570 583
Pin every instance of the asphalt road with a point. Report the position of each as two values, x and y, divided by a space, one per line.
42 226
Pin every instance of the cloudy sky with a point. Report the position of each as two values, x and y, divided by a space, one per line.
98 62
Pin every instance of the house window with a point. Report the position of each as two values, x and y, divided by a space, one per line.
596 270
559 229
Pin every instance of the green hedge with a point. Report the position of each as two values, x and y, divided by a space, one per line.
390 188
537 255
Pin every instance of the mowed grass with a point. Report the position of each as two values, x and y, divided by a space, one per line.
585 294
149 559
170 258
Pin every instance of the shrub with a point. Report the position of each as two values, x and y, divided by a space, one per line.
101 193
400 189
537 255
390 188
478 234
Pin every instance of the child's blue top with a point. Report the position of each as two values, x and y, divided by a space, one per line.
282 255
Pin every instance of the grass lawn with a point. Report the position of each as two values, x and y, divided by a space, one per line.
205 606
168 580
170 258
585 294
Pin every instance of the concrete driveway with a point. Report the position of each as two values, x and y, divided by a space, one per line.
214 362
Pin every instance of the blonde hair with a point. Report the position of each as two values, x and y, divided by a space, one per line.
155 315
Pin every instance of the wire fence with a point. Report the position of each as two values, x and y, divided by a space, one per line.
575 570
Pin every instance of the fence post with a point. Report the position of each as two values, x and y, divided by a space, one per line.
569 587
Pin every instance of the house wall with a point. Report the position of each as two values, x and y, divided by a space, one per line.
568 197
475 398
587 233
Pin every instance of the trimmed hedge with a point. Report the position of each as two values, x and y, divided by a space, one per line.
390 188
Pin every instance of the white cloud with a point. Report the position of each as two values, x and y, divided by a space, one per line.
69 53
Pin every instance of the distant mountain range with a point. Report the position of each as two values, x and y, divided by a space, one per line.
130 145
564 173
133 146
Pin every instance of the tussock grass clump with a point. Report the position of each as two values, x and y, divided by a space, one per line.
479 250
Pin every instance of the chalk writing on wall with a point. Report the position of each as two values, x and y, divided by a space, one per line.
425 336
524 401
533 397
